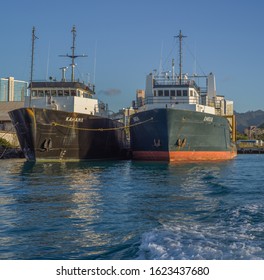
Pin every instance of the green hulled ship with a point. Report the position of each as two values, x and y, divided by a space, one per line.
181 118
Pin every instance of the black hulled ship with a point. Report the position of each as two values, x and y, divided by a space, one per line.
182 119
62 120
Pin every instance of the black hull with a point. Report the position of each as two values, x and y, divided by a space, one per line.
180 135
56 135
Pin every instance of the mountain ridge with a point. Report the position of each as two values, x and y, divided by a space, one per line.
250 118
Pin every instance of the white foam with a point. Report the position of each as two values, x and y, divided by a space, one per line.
234 238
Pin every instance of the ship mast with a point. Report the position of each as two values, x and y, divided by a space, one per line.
73 55
180 36
34 37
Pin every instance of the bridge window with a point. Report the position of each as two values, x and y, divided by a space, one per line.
155 93
41 93
166 93
185 92
179 93
172 92
160 92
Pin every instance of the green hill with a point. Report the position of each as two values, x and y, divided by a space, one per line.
249 118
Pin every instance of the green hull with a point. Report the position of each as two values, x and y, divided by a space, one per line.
170 134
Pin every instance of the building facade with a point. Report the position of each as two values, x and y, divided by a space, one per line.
12 90
140 95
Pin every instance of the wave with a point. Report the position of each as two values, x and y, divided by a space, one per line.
239 237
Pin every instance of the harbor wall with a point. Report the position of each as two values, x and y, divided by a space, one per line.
10 137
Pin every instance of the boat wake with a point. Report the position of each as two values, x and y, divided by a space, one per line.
237 237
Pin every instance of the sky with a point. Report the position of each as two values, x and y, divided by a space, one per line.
126 40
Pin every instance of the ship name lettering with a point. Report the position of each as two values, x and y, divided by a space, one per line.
208 119
71 119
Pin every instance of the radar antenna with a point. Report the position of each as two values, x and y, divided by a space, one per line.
180 36
73 55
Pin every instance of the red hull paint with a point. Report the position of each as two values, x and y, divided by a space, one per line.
180 156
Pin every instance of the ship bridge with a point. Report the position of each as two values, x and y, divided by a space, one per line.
65 96
40 89
196 93
170 89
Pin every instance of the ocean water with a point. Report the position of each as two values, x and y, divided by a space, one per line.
132 210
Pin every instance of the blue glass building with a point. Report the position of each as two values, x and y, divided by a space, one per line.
12 90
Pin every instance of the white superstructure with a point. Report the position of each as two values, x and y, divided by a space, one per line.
71 97
168 91
181 91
